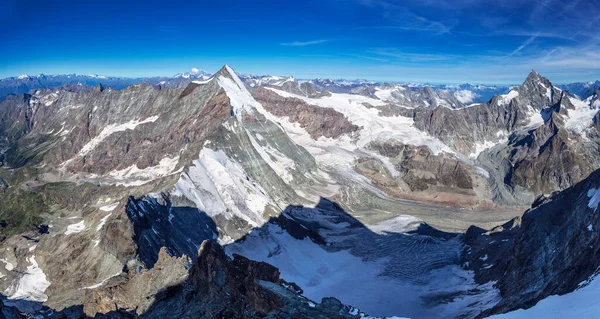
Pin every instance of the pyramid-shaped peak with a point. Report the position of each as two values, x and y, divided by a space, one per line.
534 78
228 72
533 73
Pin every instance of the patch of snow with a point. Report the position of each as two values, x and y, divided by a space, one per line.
102 222
133 176
7 265
31 285
480 147
549 94
535 118
581 117
482 171
399 224
581 303
594 195
111 129
506 98
590 227
202 82
94 286
109 207
75 228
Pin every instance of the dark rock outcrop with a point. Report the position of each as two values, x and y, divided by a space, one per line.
217 287
554 249
7 312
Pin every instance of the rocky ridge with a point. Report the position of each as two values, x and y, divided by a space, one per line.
551 250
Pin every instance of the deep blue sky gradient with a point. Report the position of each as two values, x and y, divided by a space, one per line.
451 41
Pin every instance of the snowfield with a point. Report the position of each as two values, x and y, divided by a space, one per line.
218 185
581 117
75 228
383 273
581 303
374 127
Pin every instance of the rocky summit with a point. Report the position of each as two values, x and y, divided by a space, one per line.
223 195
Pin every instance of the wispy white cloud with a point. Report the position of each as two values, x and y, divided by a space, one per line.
560 64
524 45
367 57
400 17
410 56
302 43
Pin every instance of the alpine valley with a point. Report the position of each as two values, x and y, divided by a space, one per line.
228 195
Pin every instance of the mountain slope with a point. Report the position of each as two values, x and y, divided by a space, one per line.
551 251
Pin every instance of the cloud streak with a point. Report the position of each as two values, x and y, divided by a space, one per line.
400 17
302 43
524 45
409 56
367 57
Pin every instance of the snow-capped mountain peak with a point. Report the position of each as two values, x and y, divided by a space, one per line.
194 73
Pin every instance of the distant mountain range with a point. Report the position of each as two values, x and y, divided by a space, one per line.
465 93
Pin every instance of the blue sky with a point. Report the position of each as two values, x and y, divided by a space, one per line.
449 41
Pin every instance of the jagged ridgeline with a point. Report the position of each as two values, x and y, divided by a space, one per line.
214 196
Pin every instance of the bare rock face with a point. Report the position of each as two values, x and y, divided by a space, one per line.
139 288
596 124
554 249
304 88
462 128
318 121
548 159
